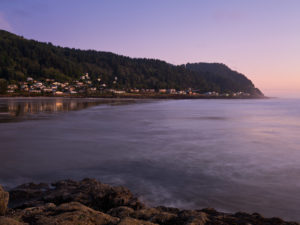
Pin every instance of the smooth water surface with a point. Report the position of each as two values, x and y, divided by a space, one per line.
233 155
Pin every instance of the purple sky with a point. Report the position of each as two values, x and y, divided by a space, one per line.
260 38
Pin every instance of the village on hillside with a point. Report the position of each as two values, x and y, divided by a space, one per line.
85 86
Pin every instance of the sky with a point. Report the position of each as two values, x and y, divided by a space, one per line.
259 38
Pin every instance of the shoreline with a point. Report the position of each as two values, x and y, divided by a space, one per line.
133 96
91 202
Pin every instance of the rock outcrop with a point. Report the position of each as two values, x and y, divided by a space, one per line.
89 202
10 221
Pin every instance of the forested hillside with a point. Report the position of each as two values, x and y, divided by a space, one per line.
20 58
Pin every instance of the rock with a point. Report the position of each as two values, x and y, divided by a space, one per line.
146 214
66 214
4 196
121 212
27 195
131 221
168 209
210 211
154 215
9 221
190 217
89 192
89 202
163 218
196 221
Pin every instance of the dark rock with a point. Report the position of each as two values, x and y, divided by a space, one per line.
65 214
168 209
89 202
4 197
163 218
154 215
121 212
191 217
27 195
145 214
131 221
9 221
89 192
210 211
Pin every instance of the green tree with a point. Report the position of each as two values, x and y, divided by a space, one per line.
3 86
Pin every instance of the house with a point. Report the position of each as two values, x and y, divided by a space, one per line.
58 93
149 90
54 87
181 92
116 91
211 93
134 90
47 90
29 79
171 91
71 88
119 92
34 91
92 89
12 87
38 84
225 94
24 87
79 84
56 83
162 91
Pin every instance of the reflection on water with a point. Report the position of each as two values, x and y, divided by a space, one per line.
15 109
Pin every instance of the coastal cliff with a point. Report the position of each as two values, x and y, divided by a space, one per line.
89 202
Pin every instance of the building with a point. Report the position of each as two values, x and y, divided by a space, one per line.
171 91
162 91
29 79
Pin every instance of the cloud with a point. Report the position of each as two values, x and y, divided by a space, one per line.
4 24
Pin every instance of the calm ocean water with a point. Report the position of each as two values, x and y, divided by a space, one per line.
233 155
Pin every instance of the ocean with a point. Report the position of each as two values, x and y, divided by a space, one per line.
232 155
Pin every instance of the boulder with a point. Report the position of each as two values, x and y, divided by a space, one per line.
4 196
154 215
89 192
131 221
9 221
121 212
89 202
65 214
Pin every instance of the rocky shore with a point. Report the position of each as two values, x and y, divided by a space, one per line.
89 202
